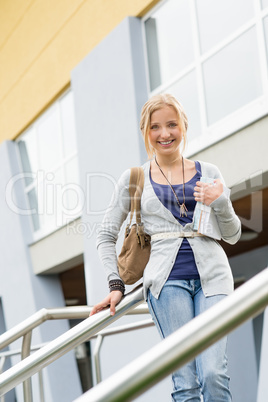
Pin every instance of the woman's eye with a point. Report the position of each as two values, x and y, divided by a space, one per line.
172 124
154 127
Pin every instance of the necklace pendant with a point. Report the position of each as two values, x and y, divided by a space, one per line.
183 210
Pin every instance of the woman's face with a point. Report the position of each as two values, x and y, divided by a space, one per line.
165 135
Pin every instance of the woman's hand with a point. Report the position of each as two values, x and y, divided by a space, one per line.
207 193
111 300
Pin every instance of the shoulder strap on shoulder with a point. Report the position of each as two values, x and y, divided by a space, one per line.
138 194
136 184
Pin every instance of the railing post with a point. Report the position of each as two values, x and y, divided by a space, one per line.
113 331
97 358
41 386
2 363
25 352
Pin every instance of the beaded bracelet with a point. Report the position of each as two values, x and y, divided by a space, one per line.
117 285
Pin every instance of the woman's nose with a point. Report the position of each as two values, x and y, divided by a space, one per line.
165 133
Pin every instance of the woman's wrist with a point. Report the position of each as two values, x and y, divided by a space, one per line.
117 284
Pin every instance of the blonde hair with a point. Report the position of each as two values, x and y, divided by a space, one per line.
157 102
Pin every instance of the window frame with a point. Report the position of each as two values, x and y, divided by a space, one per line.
240 118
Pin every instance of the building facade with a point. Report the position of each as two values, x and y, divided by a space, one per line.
74 77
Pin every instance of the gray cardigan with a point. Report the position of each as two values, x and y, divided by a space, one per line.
211 260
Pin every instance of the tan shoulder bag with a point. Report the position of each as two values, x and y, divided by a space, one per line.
135 252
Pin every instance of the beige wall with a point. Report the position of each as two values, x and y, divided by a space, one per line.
61 250
41 41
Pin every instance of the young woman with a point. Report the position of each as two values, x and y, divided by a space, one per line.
187 273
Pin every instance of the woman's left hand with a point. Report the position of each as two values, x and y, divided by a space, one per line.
207 193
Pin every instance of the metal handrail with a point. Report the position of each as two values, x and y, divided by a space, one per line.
24 329
183 345
96 353
64 343
43 315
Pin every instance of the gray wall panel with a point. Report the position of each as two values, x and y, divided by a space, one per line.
263 372
22 293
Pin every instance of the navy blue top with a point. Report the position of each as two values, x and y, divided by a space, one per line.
184 266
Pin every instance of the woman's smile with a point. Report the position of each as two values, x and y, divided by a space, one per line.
166 142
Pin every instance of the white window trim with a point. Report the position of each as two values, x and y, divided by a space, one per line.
243 116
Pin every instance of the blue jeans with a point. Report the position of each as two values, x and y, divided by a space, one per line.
178 303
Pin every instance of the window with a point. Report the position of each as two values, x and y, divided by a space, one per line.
264 3
265 26
212 55
219 19
232 77
48 155
169 38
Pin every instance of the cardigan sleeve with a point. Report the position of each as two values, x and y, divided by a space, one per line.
114 217
229 223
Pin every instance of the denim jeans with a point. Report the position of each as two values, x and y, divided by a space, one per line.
178 303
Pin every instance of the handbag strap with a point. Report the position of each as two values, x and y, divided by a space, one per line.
136 183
